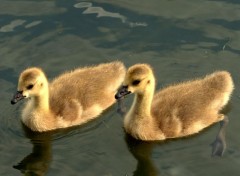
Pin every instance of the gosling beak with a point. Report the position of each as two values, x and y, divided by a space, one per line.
17 97
122 92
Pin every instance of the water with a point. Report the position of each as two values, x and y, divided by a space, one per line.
180 39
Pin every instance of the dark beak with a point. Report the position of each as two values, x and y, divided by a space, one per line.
17 97
122 92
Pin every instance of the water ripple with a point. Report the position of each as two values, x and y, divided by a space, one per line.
90 9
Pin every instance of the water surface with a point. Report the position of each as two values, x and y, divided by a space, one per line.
180 39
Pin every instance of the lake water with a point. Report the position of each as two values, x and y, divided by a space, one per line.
180 39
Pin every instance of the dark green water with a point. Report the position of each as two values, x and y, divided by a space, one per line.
180 39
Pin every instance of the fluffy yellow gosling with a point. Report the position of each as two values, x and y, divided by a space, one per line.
175 111
73 98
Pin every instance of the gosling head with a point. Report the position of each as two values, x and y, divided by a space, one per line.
137 80
31 83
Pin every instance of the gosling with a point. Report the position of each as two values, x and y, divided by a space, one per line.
71 99
176 111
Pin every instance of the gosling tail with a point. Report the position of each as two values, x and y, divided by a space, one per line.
222 85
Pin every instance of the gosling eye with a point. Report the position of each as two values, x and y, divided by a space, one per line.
136 82
29 87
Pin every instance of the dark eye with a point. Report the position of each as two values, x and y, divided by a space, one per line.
30 86
136 82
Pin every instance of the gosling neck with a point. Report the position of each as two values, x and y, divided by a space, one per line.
143 101
41 102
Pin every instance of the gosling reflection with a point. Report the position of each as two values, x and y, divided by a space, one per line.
142 151
38 161
121 108
219 145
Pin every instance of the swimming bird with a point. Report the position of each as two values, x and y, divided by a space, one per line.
177 110
73 98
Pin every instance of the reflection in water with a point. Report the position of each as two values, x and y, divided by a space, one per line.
121 108
16 23
38 161
10 27
142 152
219 145
103 13
99 11
32 24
